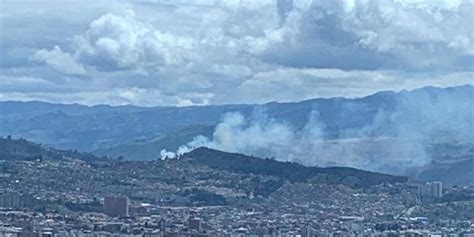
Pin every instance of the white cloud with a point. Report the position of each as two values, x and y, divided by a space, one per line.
122 41
340 34
46 91
426 26
208 52
60 61
23 84
292 84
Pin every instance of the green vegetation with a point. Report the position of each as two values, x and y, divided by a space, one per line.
289 171
200 197
21 149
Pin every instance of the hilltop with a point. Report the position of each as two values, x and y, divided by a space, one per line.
289 171
197 175
21 149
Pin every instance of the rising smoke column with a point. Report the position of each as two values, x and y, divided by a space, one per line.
266 137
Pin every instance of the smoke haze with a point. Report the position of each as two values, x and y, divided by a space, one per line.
396 140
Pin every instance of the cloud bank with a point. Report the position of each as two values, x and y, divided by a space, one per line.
216 52
59 60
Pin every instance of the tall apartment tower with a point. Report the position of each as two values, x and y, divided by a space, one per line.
431 190
437 189
307 231
116 206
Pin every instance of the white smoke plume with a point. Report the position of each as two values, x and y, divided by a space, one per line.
394 140
264 137
164 154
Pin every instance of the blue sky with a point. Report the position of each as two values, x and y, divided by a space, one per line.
201 52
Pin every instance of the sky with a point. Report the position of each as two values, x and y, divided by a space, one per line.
201 52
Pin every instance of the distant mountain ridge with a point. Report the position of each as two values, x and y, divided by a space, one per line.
103 127
431 116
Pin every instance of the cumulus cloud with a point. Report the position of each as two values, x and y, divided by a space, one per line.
121 41
417 30
336 34
60 61
376 34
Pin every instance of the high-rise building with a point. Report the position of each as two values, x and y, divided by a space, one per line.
307 231
121 206
437 189
116 206
431 190
109 206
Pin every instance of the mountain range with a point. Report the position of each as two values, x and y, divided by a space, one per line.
427 132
